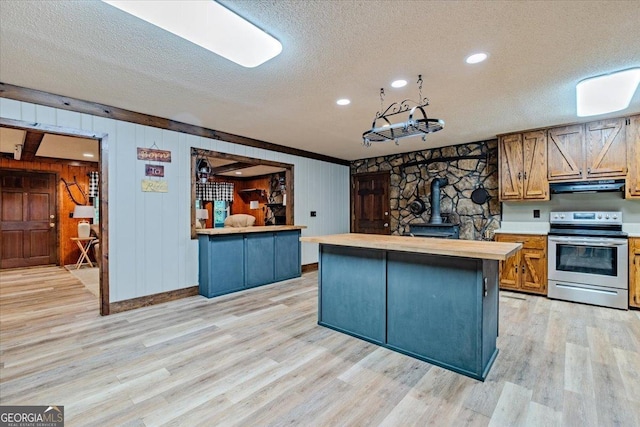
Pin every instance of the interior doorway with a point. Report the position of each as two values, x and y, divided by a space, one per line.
27 219
370 203
102 140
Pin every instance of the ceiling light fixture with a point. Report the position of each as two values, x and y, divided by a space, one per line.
343 101
394 131
209 25
87 155
238 173
476 58
606 93
398 83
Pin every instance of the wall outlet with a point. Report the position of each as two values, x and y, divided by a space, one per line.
536 213
313 213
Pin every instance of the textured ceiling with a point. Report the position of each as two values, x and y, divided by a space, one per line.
332 49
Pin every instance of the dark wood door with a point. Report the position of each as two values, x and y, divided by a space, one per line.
27 212
371 203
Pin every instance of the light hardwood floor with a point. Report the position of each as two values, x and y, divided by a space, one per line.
258 358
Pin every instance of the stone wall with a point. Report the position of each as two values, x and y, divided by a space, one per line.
464 176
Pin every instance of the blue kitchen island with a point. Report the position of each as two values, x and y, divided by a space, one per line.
432 299
234 259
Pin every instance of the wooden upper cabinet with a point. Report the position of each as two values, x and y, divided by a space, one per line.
511 165
536 185
523 166
565 150
606 148
633 153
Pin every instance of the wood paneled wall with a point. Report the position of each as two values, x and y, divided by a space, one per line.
242 200
68 251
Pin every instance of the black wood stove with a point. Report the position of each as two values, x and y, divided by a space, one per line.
436 227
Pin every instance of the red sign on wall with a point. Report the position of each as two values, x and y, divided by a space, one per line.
154 170
154 155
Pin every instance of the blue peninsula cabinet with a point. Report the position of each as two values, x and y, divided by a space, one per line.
432 299
233 259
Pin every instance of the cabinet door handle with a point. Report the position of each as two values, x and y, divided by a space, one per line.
516 269
588 170
523 269
525 175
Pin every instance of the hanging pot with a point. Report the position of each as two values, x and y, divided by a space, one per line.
480 195
417 206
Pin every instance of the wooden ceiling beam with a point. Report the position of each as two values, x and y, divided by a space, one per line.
34 96
32 141
230 167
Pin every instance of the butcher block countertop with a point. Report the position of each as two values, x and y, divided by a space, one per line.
460 248
242 230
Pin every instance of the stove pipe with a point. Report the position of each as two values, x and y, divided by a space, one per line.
436 218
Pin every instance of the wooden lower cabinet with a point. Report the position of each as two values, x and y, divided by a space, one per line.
525 271
634 272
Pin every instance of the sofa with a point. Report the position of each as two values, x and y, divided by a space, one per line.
240 220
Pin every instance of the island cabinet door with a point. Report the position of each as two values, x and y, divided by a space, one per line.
287 260
352 291
432 304
259 265
221 264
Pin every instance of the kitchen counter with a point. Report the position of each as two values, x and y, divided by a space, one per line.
432 299
234 259
243 230
512 227
451 247
633 229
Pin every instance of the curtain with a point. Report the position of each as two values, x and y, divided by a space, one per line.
210 191
93 184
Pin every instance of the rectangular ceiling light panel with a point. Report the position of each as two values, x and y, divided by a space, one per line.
607 93
209 25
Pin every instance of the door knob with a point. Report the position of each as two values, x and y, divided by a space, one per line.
51 224
386 224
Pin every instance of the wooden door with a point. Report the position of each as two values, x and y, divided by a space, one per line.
634 272
371 203
606 148
565 151
633 152
510 268
533 268
534 151
27 212
511 172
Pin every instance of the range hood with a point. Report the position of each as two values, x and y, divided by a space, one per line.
602 186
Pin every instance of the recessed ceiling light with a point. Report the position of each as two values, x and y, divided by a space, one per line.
209 25
343 101
87 155
607 93
238 173
399 83
475 58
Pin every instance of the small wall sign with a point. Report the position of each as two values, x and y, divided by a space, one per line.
153 155
150 186
154 170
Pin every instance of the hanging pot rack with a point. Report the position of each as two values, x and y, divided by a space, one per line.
382 129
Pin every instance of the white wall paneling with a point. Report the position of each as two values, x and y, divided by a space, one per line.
150 249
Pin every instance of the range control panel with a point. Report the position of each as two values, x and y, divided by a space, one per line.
587 218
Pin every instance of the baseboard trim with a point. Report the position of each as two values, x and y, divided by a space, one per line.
145 301
306 268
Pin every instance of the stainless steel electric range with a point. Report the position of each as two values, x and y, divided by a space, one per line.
588 258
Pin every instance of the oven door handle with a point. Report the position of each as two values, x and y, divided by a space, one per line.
577 242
